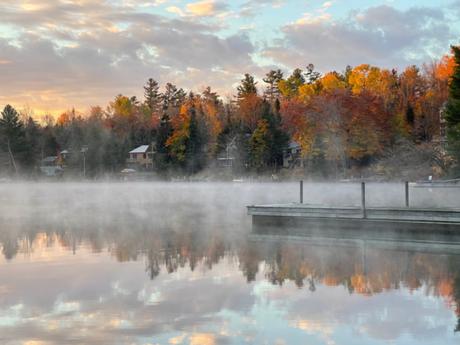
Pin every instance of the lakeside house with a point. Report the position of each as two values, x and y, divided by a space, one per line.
292 155
141 158
51 166
226 159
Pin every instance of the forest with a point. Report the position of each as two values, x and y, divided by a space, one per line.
364 120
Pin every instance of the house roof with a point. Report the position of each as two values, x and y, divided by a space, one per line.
49 159
294 145
140 149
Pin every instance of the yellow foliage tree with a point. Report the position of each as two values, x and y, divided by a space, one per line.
331 81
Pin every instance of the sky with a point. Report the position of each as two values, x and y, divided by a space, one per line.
61 54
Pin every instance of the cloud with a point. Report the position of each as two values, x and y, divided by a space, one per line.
175 10
56 54
379 35
91 52
252 7
205 8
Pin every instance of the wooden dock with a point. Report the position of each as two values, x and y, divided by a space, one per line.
357 218
350 222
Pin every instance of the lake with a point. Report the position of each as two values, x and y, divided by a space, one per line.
178 263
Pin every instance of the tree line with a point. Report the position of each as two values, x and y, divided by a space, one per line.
339 121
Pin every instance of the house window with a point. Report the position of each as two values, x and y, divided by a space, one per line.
145 156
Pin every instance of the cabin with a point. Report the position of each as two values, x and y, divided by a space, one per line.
141 158
292 155
227 158
51 166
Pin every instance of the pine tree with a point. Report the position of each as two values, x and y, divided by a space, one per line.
169 95
410 119
193 152
12 134
173 97
277 139
152 96
452 113
295 80
311 75
247 86
32 144
165 130
272 79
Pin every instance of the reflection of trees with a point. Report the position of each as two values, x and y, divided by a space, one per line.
249 259
10 247
360 269
168 249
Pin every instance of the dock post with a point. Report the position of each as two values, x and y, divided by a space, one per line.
301 191
363 198
407 193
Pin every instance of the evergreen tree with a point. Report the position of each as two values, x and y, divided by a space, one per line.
452 114
152 96
194 148
247 86
169 95
272 78
311 75
295 80
162 158
259 145
172 97
410 117
210 95
31 154
12 135
278 139
268 140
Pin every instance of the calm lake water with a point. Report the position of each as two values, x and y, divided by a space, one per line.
176 263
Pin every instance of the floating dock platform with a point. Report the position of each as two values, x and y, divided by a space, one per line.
295 218
352 218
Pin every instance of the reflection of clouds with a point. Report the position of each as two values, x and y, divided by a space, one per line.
177 339
202 339
124 305
149 296
386 316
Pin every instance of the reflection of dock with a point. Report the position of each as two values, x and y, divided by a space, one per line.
431 246
355 219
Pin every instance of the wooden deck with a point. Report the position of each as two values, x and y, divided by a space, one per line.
356 218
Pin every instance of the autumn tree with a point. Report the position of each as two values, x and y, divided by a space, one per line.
186 143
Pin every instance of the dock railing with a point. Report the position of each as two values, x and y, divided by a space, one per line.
363 195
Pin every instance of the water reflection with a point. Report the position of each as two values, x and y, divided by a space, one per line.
178 264
93 285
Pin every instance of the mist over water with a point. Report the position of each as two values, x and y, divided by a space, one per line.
177 263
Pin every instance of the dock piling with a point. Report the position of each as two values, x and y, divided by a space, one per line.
301 191
407 193
363 198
